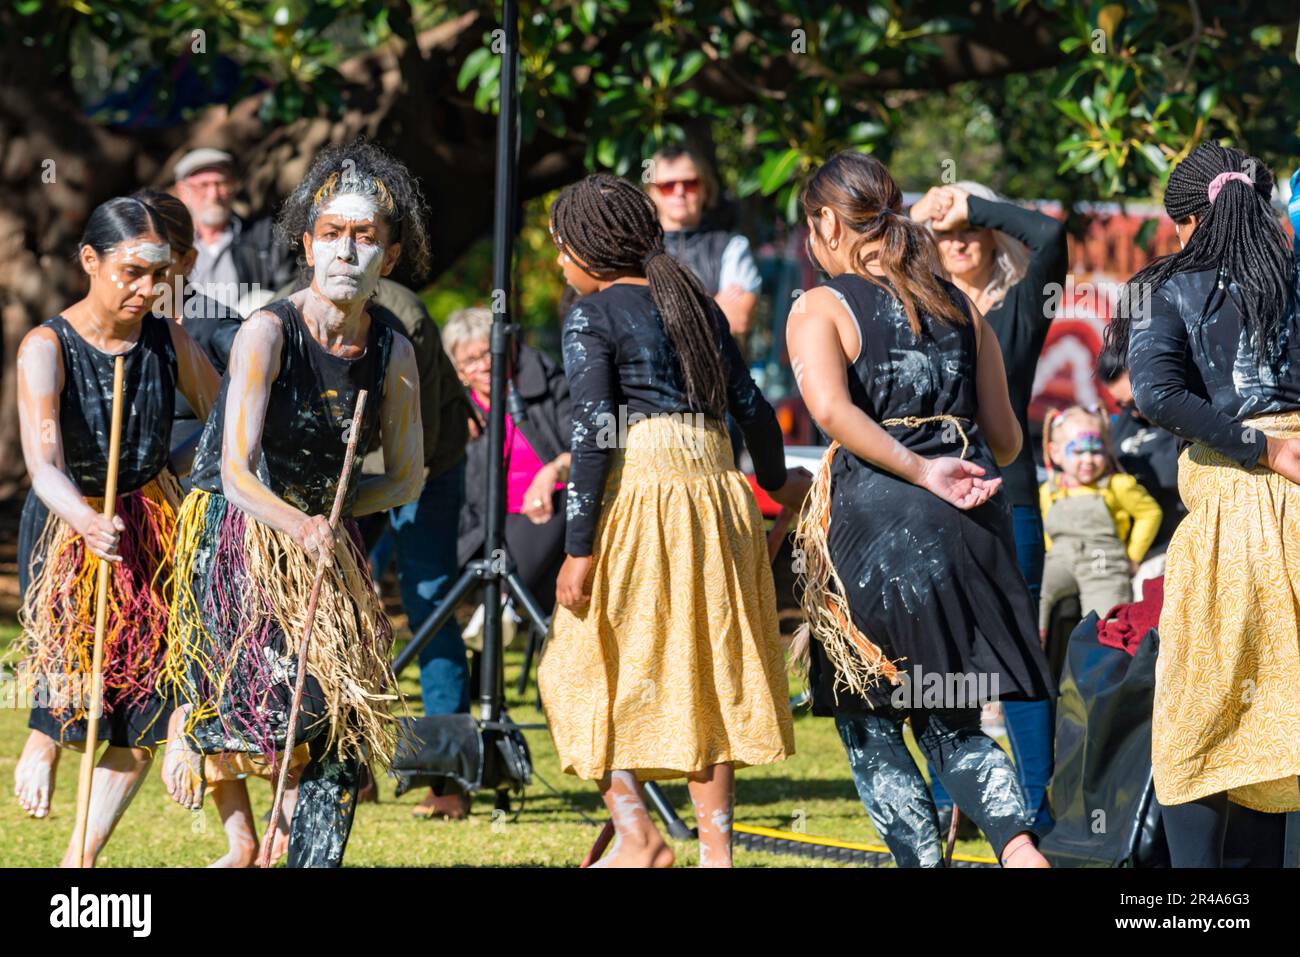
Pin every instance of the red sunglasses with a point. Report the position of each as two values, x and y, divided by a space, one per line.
669 186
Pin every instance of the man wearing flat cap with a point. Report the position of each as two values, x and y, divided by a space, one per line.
236 260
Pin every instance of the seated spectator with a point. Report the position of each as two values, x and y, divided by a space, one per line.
536 447
1148 453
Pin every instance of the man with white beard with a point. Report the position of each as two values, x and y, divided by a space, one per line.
239 264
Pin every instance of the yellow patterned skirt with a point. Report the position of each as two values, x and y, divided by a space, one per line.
1227 700
677 662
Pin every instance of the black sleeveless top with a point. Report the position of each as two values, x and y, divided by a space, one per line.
310 407
898 374
86 406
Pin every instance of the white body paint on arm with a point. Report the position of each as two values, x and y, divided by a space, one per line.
254 365
40 380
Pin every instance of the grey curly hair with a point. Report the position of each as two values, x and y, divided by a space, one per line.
361 168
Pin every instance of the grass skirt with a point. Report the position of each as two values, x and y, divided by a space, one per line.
1227 699
677 663
56 649
237 621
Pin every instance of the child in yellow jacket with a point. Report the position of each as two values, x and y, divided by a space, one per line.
1098 521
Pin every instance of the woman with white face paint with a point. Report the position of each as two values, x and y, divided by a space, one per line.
254 529
65 395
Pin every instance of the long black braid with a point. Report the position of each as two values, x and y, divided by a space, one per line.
1238 234
613 229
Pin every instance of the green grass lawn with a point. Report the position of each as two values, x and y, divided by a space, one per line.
813 787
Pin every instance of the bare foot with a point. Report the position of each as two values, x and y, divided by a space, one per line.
240 854
182 766
453 807
1021 852
653 853
34 774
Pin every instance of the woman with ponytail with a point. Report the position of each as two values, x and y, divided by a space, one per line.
910 574
665 657
1213 345
1012 263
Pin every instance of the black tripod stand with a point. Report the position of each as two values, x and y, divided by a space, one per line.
495 572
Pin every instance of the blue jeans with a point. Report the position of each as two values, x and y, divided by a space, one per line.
1029 723
423 535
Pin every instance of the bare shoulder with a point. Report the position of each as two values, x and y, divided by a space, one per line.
817 305
262 328
40 350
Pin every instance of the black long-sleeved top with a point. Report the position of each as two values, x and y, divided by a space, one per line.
1022 319
1194 372
617 353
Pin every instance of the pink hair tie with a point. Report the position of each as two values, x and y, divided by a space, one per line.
1218 182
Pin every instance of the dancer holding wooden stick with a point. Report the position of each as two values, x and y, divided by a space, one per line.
253 532
65 389
304 650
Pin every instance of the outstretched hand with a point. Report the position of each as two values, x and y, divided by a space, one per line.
958 482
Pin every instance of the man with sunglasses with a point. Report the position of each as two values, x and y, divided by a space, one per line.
683 191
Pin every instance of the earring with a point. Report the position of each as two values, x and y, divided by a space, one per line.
566 259
834 243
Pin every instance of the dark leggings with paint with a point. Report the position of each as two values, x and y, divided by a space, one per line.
327 801
976 772
327 787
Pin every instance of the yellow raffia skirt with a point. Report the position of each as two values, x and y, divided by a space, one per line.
677 662
1227 700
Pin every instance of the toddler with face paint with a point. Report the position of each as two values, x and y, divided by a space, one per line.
1098 521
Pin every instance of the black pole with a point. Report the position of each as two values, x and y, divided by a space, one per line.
502 329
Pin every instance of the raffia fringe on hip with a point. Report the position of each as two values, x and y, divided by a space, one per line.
241 584
859 662
58 611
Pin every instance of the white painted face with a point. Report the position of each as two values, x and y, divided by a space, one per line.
346 254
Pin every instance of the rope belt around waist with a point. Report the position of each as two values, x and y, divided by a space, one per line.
916 421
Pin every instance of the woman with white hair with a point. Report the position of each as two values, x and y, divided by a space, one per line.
538 435
1009 260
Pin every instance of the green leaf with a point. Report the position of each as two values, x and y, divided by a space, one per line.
688 66
1207 100
1155 159
473 65
776 170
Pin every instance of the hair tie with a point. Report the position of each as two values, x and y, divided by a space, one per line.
653 254
1217 184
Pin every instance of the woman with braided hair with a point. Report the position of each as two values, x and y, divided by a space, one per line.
1214 357
910 575
665 656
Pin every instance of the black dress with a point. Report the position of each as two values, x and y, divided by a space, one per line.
149 376
929 583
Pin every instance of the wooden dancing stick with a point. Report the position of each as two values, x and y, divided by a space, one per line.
340 493
952 836
101 625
